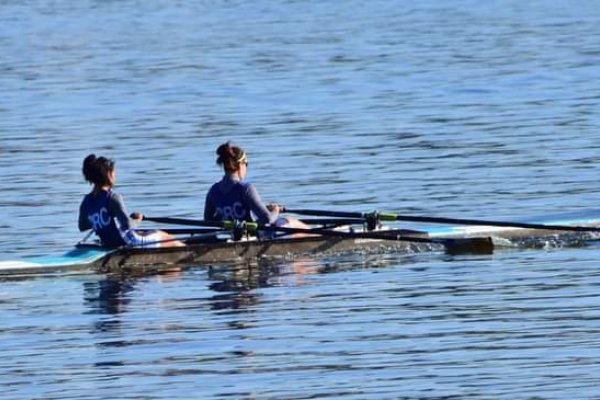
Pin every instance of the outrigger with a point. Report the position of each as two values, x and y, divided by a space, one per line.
341 232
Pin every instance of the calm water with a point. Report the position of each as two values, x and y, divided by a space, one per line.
448 108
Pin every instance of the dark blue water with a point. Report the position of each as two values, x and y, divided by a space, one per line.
445 108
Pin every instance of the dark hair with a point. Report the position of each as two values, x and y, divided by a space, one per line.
96 170
230 157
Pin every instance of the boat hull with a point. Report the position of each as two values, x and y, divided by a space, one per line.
88 258
245 251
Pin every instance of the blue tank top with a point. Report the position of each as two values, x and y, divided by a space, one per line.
97 210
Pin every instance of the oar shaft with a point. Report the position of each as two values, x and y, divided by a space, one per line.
383 235
218 224
253 227
480 245
325 213
184 221
442 220
332 221
506 224
190 231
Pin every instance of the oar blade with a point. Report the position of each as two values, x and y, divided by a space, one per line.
474 245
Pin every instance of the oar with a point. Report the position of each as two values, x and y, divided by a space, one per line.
442 220
314 221
187 222
453 245
190 231
480 245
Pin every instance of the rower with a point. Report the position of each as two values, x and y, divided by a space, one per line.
234 198
103 211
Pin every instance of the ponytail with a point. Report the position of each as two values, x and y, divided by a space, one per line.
230 157
88 168
96 170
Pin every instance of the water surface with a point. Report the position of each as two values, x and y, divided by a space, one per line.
447 108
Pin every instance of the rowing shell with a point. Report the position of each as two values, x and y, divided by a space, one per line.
90 258
86 258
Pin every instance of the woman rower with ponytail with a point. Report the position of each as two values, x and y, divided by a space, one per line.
234 198
103 211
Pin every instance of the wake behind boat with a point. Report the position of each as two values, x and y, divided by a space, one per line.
205 248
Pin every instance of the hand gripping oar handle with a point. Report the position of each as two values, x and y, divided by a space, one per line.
442 220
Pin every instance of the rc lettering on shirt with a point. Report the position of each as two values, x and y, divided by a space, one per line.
100 219
234 212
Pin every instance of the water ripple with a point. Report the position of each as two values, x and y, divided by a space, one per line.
462 110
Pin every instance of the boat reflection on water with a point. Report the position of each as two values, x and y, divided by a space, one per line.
108 298
231 286
111 297
235 283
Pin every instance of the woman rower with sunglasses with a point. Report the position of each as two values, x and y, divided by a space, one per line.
234 198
